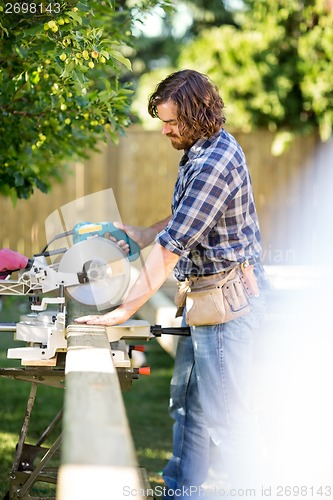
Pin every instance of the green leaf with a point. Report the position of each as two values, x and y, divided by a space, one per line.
33 31
68 69
122 59
75 16
83 7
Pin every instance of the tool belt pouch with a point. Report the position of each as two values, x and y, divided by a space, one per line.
220 302
180 297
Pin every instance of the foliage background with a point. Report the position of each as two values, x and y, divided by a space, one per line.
67 73
65 83
272 60
60 85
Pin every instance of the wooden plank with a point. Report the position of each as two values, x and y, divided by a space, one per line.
97 440
106 483
41 362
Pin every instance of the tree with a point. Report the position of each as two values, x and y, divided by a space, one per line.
274 67
61 88
179 25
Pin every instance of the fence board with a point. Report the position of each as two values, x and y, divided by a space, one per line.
142 170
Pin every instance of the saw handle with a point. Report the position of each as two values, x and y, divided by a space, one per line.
119 234
157 330
85 230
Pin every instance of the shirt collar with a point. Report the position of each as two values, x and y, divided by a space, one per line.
201 145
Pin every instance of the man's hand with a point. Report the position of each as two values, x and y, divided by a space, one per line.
114 317
121 243
143 236
137 234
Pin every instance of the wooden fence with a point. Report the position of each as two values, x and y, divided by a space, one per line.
142 170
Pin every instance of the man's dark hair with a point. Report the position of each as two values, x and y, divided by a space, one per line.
199 105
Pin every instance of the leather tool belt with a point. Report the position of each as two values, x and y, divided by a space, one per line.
218 298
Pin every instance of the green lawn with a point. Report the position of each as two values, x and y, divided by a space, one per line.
146 404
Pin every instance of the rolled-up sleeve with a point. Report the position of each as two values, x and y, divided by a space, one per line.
166 241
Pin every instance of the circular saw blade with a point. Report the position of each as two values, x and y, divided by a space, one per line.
107 269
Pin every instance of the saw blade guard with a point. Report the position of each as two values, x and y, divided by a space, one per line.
95 207
103 271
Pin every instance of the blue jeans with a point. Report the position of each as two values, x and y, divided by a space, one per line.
215 427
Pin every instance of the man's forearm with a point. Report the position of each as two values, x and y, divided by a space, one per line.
158 266
143 236
152 231
161 224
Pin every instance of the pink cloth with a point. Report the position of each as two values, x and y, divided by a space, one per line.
11 261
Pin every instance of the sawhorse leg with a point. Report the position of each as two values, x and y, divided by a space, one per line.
24 474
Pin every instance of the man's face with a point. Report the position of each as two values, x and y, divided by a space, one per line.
167 113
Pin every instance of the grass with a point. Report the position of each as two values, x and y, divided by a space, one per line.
146 405
147 411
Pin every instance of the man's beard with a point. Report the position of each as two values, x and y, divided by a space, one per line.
182 142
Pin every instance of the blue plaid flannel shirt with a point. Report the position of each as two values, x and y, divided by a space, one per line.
214 222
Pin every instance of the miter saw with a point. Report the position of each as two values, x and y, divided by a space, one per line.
92 269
